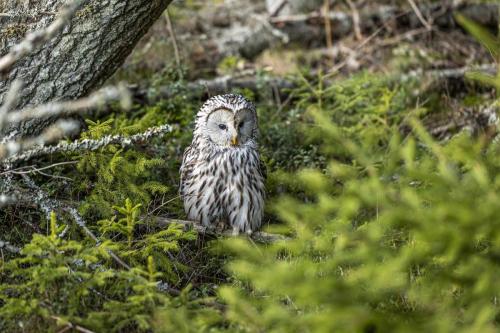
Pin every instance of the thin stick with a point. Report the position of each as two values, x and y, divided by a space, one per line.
355 20
163 204
10 101
171 31
32 168
69 326
328 25
419 15
339 66
99 98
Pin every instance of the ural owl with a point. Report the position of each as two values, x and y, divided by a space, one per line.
222 178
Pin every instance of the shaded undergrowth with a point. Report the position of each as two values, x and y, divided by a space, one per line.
387 231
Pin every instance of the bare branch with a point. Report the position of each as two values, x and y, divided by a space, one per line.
419 15
97 99
55 132
69 325
332 16
35 39
10 100
222 84
90 145
31 168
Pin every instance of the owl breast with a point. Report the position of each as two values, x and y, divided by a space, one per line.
225 186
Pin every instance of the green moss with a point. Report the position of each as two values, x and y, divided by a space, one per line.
85 11
14 31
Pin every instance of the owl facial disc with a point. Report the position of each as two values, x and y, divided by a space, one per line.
228 121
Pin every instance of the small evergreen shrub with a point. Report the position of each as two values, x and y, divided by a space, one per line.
396 233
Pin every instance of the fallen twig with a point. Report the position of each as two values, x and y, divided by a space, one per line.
259 236
97 99
69 325
31 168
219 85
227 83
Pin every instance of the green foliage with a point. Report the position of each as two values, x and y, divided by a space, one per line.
53 277
390 231
108 176
396 234
230 64
139 303
121 236
184 315
58 282
124 225
490 42
113 174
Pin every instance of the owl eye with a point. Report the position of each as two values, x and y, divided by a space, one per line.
222 127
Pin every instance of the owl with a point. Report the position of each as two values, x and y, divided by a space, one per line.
222 177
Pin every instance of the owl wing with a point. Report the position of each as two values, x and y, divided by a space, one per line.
188 163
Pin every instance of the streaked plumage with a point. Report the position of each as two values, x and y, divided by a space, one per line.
222 178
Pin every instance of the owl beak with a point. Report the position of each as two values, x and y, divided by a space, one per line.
234 141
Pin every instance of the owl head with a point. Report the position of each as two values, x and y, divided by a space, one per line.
227 121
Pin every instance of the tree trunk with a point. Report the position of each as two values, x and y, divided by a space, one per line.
89 50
